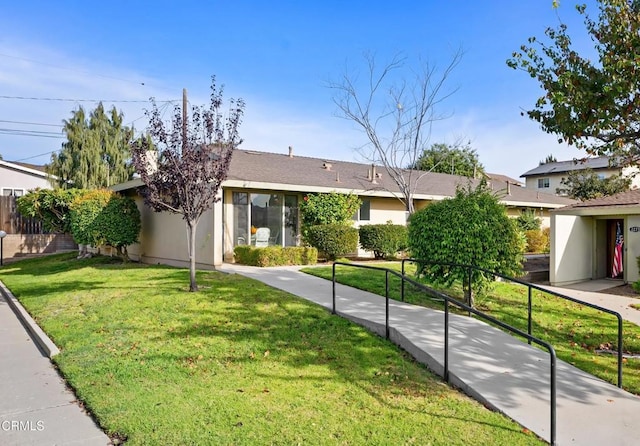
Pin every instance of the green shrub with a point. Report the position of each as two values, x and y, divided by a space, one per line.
275 255
527 220
328 209
471 228
333 240
384 240
49 206
102 217
537 240
547 235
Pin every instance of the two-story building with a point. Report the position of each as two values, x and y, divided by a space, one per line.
548 177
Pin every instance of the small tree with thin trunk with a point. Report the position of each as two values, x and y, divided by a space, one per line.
396 112
183 166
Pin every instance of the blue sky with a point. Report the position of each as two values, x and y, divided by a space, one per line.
277 56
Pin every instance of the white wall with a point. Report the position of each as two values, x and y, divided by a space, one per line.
555 180
14 179
163 238
632 249
572 239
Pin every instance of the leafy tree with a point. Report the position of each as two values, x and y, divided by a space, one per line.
593 104
451 159
527 220
396 112
96 153
182 167
51 207
331 208
472 228
586 184
102 217
549 159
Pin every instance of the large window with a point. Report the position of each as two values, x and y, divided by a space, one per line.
265 219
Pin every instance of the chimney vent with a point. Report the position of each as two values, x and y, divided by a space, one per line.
508 188
290 151
374 175
326 165
337 177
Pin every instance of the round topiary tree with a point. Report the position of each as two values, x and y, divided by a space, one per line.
103 217
471 228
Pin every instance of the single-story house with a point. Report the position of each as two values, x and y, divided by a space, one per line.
547 177
584 237
17 178
263 191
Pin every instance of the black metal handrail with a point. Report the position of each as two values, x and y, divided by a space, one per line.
530 286
450 300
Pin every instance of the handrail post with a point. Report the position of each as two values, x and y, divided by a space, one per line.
553 397
469 296
386 296
619 350
529 320
333 306
402 289
446 341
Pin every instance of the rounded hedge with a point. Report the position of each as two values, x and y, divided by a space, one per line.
333 240
384 240
471 228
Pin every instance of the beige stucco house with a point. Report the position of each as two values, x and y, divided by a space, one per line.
583 237
263 191
548 177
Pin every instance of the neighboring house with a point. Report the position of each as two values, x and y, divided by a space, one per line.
17 178
25 236
583 239
548 177
263 191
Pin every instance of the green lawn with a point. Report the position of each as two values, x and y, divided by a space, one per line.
575 331
237 363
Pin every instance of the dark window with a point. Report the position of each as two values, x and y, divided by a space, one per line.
365 210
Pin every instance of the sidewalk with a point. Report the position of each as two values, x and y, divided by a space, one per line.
35 406
497 369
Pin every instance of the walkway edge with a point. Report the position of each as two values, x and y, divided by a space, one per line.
37 334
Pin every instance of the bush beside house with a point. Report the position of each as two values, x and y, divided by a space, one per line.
275 255
333 240
383 240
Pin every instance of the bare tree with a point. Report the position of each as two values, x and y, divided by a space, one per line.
396 113
184 166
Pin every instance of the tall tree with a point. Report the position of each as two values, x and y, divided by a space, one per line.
96 153
549 159
452 159
395 106
183 166
585 184
593 104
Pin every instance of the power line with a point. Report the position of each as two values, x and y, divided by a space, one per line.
19 132
27 98
38 156
30 123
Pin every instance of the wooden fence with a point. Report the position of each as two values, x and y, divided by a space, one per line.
12 222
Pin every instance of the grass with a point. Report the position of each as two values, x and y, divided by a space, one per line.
576 332
236 363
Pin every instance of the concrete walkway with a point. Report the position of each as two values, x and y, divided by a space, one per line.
495 368
36 408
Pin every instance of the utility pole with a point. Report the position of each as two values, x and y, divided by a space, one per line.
184 119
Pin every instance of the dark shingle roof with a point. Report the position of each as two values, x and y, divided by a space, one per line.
601 162
628 198
263 167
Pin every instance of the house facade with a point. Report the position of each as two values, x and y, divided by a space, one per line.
263 191
584 237
17 178
548 177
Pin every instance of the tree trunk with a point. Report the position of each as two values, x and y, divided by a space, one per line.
191 232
